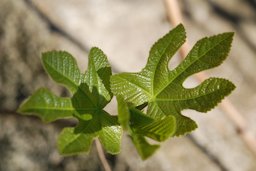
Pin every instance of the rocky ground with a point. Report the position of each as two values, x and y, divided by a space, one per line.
124 30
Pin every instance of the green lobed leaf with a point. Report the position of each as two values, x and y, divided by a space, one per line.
155 86
90 94
162 89
47 106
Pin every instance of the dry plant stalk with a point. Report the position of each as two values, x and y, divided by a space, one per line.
102 156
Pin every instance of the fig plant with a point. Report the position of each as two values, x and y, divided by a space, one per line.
149 102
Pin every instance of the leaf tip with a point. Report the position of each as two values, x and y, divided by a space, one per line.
180 26
231 34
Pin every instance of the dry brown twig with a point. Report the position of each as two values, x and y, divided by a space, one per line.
102 156
175 18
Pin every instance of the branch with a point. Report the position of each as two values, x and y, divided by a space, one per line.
175 17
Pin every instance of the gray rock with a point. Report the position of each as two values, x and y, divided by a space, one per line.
28 144
23 37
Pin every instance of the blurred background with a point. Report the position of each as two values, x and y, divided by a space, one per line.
125 31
